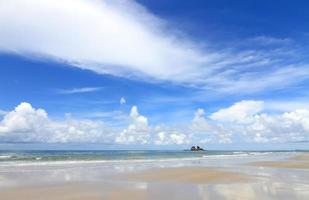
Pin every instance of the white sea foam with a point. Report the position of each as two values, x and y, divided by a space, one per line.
76 162
38 161
5 157
237 154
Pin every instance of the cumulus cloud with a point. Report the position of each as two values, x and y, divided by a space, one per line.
241 112
208 131
178 138
24 119
163 135
287 127
140 132
244 121
137 131
122 38
160 138
27 124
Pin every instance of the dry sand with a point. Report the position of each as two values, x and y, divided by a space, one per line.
188 175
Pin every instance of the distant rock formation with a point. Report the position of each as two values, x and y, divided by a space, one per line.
197 148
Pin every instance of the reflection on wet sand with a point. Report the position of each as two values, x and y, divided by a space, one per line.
196 175
264 177
282 164
300 161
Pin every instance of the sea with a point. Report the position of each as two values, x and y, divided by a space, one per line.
78 156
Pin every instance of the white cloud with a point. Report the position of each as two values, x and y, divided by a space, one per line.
266 40
161 138
286 127
122 38
178 138
122 101
137 131
119 37
79 90
24 119
241 112
208 131
199 123
244 121
140 122
27 124
255 80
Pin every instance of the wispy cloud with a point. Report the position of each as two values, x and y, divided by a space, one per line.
267 40
125 39
78 90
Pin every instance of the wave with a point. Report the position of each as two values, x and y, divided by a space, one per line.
73 162
4 157
237 154
70 158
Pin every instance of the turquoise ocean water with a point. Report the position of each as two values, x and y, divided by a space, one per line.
117 155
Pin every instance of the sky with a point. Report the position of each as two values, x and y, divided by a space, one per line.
154 74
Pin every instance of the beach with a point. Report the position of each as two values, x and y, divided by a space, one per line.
237 175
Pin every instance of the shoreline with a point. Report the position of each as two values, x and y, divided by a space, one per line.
202 155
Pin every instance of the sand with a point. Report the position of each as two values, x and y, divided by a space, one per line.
301 157
127 195
281 164
181 175
71 192
188 175
56 192
173 183
295 162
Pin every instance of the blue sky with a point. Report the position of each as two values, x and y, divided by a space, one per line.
155 73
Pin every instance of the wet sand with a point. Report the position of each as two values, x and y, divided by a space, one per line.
188 175
281 164
223 179
79 191
295 162
57 192
301 157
